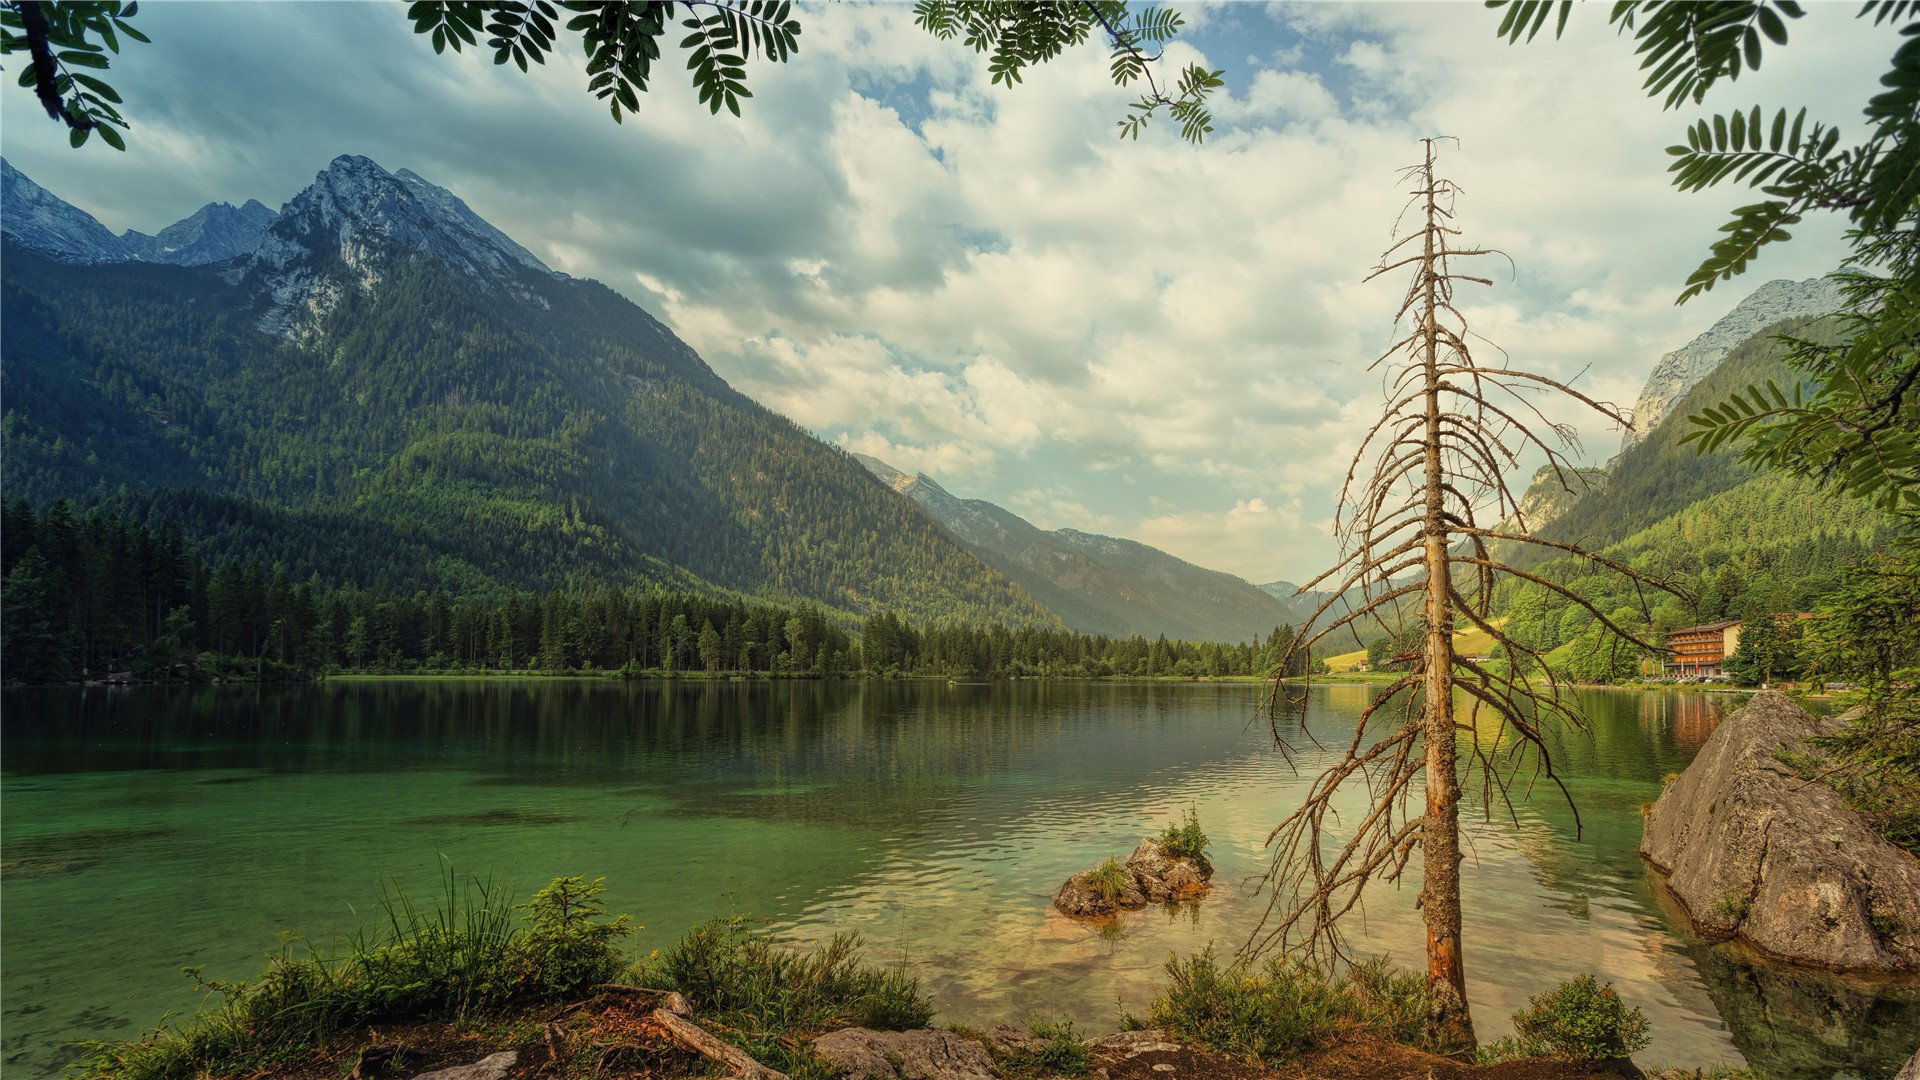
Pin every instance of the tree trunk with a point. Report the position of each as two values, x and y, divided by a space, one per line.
1449 1025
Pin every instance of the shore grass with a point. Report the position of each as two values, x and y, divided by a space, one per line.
489 967
1283 1008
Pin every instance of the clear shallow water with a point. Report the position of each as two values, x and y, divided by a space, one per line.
147 829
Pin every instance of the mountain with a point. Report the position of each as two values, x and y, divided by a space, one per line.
388 391
1682 369
41 220
1098 584
36 218
214 233
1659 475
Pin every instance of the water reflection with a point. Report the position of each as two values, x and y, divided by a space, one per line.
167 827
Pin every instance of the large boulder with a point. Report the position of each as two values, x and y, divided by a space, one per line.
1755 846
1149 876
925 1054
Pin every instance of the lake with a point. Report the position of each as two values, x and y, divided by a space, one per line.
145 829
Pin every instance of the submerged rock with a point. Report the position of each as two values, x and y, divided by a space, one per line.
864 1054
1149 876
1754 850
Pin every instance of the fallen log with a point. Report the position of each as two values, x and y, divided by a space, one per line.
691 1036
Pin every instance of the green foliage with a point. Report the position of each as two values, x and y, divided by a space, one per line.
1061 1052
1581 1021
1733 909
1285 1007
1017 34
567 945
465 957
1109 881
1186 840
1868 635
60 39
1769 649
621 41
746 982
1857 428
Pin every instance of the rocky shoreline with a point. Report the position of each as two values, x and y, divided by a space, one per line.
1755 846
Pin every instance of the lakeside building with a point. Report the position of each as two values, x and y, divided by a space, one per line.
1700 650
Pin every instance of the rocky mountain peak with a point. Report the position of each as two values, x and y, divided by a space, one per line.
32 216
214 233
1682 369
37 218
338 233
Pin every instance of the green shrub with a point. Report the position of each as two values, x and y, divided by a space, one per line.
566 948
1284 1007
1187 840
1061 1051
724 968
1110 881
1581 1021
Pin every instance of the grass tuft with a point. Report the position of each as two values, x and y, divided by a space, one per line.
1110 881
1283 1008
1062 1051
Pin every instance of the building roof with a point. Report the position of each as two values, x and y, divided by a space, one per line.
1705 628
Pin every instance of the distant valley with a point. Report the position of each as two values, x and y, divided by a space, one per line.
1099 584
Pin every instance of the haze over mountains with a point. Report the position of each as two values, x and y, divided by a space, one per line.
39 219
385 388
1099 584
376 384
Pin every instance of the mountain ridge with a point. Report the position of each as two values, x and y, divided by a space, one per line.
1682 369
389 389
1098 584
38 219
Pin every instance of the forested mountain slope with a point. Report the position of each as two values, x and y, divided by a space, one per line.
389 391
1100 584
1658 476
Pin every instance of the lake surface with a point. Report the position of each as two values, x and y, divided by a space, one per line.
147 829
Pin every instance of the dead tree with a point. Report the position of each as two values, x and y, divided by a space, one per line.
1413 549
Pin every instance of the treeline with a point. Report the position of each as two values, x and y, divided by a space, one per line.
94 595
889 645
1775 544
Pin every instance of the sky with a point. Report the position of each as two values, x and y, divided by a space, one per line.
1141 338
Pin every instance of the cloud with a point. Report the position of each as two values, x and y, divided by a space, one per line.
1149 338
1239 539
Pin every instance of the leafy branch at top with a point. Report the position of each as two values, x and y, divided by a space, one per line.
622 41
1018 35
60 40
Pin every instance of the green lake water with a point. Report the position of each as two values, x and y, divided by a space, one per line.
147 829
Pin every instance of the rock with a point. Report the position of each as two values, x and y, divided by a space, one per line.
1129 1043
1152 877
1752 849
1079 898
491 1067
1007 1040
862 1054
1911 1070
1683 369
